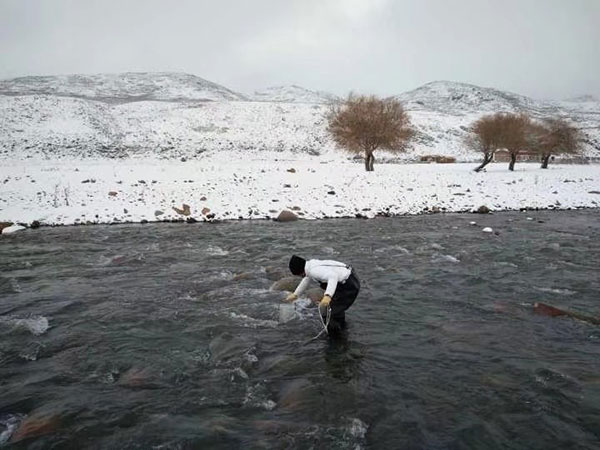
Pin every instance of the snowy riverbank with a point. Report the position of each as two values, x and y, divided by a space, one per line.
71 191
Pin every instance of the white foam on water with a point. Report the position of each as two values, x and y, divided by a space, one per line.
14 284
555 291
257 397
251 322
238 373
215 250
10 423
30 352
302 308
251 357
287 312
358 428
506 264
187 297
393 250
444 258
36 325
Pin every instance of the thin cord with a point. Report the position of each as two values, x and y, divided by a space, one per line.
324 323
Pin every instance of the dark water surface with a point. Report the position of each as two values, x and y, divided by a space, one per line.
168 336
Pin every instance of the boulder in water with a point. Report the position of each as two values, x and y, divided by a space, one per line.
275 273
551 311
12 229
4 225
315 294
483 210
286 216
243 276
286 284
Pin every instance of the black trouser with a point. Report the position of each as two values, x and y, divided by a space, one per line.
342 299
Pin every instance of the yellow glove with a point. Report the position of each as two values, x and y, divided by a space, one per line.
291 297
325 301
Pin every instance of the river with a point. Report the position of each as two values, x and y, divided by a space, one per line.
169 336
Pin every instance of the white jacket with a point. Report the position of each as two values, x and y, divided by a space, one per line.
324 271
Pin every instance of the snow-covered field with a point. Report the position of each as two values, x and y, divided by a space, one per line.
73 191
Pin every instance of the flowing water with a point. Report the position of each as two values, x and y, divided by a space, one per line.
168 336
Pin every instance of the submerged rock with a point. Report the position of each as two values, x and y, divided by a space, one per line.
287 312
551 311
315 294
275 273
137 377
286 284
243 276
297 394
38 424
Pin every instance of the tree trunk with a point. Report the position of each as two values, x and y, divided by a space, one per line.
513 160
369 161
487 158
545 160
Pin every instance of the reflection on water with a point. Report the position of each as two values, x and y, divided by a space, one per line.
170 336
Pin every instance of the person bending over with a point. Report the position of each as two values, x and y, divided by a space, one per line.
339 281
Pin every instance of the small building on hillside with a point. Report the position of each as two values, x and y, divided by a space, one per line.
438 159
523 156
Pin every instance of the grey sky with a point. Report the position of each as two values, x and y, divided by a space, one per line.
541 48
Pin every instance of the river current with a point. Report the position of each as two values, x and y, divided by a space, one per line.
169 336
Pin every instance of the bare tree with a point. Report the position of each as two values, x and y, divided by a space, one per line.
485 138
367 123
515 131
558 137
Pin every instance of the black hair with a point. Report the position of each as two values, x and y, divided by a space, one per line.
297 265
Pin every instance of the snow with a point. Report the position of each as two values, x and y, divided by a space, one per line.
129 86
292 94
167 115
12 229
70 191
130 147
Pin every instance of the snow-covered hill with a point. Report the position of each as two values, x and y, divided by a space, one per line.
460 98
292 94
163 86
442 112
168 115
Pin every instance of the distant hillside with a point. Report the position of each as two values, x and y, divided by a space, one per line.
292 94
459 98
175 115
123 86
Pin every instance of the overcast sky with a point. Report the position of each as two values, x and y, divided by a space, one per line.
541 48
